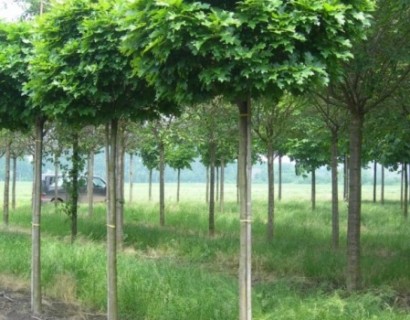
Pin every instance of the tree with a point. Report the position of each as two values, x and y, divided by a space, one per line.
79 75
379 68
269 121
242 50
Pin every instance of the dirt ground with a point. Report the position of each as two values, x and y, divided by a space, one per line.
15 305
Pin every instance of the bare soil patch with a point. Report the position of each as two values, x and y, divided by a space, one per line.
15 305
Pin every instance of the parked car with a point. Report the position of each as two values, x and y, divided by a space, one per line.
49 184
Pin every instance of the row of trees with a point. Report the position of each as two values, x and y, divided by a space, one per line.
90 63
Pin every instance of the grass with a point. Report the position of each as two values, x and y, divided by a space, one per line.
178 272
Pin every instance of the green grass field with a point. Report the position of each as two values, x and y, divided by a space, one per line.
178 272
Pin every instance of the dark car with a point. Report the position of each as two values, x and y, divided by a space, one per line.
49 184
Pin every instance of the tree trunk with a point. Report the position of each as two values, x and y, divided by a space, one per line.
271 193
131 177
217 184
161 184
374 181
406 192
90 183
74 187
353 280
238 194
36 219
222 197
56 174
382 186
13 186
211 220
313 190
280 178
112 297
119 185
178 183
245 175
346 178
6 194
402 187
207 185
335 193
150 185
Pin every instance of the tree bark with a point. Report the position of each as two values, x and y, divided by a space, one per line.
90 183
271 193
382 186
56 174
6 191
178 183
161 184
112 296
335 193
346 178
36 219
313 190
131 178
217 183
211 220
280 178
74 187
13 186
245 174
222 197
150 185
406 192
374 181
119 185
207 185
402 186
353 280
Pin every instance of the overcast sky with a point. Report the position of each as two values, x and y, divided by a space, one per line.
9 10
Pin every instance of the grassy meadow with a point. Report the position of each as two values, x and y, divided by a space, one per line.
178 273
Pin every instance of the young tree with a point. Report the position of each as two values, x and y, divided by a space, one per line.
270 120
79 75
379 68
242 50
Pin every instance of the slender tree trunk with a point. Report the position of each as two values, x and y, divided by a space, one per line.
36 220
150 185
56 174
131 177
161 184
112 296
178 183
238 193
74 187
13 186
217 184
382 186
402 186
335 193
245 175
374 181
406 192
222 197
271 193
90 183
313 191
6 190
280 178
119 185
207 185
346 178
353 280
211 220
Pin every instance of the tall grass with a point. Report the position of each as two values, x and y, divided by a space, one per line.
179 272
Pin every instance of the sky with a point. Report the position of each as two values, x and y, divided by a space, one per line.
9 10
